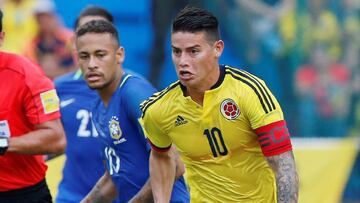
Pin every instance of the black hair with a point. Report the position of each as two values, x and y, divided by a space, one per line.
94 11
98 26
1 16
193 19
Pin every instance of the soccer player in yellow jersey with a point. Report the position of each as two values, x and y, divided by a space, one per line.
227 126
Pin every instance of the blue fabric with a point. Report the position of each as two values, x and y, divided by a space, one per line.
124 145
83 166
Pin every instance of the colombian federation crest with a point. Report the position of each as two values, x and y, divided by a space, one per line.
229 109
114 127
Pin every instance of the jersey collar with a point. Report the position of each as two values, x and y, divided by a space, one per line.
77 74
221 77
123 79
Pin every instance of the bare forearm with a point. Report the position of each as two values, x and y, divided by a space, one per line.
48 138
287 187
96 196
162 173
144 195
103 191
179 165
287 180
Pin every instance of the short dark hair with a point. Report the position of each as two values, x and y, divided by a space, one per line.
1 17
94 11
98 26
193 19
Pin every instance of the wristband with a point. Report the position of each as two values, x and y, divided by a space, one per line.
4 144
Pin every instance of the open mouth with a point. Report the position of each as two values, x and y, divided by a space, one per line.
185 75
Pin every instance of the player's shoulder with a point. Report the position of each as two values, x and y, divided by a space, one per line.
161 99
131 83
252 88
244 80
133 80
241 75
19 64
66 78
73 84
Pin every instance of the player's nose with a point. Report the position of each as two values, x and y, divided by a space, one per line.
183 60
92 63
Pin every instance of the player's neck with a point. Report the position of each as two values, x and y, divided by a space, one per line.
107 92
196 95
197 92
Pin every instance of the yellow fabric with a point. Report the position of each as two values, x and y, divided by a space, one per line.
19 25
237 171
317 161
324 166
54 173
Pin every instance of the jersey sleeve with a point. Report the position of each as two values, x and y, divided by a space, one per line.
266 119
261 107
41 102
137 91
132 101
158 139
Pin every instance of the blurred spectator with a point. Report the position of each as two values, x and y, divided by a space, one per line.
349 18
320 25
19 23
51 48
354 117
242 37
269 53
266 16
304 24
323 94
350 25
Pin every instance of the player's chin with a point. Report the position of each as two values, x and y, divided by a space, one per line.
185 83
95 85
188 83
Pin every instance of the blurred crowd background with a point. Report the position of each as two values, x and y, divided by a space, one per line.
307 51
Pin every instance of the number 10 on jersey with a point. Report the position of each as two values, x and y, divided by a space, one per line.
215 137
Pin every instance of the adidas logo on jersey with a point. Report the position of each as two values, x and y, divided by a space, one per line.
180 121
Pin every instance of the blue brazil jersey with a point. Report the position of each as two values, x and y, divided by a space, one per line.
83 166
124 145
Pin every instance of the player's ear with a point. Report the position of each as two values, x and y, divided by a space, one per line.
218 48
120 55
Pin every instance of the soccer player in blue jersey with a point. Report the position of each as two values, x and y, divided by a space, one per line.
115 116
83 166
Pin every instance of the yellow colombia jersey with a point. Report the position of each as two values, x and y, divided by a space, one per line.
216 141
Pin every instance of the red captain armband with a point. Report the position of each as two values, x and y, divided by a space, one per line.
158 149
274 138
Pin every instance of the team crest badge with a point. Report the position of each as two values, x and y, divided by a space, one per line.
229 109
114 127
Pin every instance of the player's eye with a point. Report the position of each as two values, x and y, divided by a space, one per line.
100 55
176 51
83 56
194 51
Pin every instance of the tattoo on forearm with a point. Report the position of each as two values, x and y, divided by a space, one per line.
286 177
